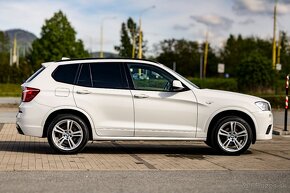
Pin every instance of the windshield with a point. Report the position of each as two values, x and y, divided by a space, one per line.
180 76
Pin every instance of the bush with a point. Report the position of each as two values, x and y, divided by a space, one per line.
255 74
277 101
228 84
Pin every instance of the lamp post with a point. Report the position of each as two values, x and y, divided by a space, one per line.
274 37
101 35
205 54
200 61
140 52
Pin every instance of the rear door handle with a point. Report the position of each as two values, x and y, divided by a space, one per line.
141 96
83 92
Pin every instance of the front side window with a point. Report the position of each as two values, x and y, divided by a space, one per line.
150 78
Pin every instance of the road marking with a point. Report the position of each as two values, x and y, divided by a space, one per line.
217 164
136 157
1 126
272 154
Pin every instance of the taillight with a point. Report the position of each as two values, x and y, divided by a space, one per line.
29 93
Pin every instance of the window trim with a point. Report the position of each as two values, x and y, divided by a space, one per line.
35 74
79 74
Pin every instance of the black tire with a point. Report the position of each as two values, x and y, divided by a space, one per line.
208 142
232 135
70 131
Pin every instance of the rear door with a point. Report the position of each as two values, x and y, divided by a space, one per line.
102 92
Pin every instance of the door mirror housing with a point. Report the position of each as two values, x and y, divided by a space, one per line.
177 85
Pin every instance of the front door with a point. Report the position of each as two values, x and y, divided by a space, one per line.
160 111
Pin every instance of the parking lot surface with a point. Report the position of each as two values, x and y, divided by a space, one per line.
18 152
143 166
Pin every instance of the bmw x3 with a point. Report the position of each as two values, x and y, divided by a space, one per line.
73 101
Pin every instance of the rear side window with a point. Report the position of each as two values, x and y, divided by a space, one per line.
85 76
102 75
65 73
35 74
107 75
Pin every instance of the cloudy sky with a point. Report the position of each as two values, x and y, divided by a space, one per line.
189 19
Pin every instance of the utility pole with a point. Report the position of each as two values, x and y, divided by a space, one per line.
274 37
101 41
140 51
133 43
101 35
205 55
279 47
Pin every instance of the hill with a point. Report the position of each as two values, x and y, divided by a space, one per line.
24 38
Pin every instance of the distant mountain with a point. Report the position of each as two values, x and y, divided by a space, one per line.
24 38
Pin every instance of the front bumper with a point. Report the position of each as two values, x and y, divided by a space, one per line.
264 125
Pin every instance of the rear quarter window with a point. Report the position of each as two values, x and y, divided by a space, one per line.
65 73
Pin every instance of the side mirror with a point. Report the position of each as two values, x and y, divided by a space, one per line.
177 85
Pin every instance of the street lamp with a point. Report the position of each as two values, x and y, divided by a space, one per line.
101 35
140 52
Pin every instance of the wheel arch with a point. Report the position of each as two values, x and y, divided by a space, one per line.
75 112
237 113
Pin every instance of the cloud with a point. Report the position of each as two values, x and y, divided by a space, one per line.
247 21
214 21
244 7
182 27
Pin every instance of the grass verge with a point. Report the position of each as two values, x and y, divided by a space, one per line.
10 90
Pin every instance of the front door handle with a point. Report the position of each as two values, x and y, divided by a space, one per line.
83 92
141 96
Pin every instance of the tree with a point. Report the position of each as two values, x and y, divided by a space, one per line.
255 73
4 57
239 48
285 55
186 55
58 39
129 34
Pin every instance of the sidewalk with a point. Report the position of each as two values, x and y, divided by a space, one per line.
9 100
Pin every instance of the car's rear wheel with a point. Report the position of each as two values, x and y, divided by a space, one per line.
67 134
232 135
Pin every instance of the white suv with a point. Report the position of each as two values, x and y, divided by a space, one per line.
73 101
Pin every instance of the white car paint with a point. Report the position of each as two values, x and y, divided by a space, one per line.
124 114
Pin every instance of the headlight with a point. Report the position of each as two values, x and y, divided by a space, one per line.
264 106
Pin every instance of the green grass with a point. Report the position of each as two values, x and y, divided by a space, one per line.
10 90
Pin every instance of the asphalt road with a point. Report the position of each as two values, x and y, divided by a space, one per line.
146 181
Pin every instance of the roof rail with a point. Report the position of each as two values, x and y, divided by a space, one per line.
65 58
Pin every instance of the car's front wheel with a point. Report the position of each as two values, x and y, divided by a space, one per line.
67 134
232 135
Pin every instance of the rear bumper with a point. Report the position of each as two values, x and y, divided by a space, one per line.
29 118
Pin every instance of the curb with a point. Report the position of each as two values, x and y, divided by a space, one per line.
280 131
